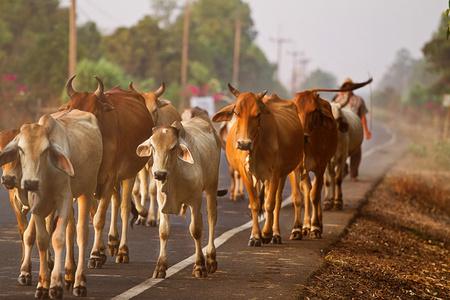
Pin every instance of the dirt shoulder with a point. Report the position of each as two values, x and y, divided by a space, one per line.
398 246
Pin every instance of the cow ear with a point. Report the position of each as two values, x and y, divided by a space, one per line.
184 154
9 153
60 160
162 103
106 107
225 114
144 149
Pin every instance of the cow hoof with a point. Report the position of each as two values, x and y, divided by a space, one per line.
139 221
327 205
337 206
266 240
276 239
211 267
56 292
306 231
159 274
122 258
41 293
80 291
113 249
24 280
254 242
151 223
296 235
199 272
95 263
316 234
68 284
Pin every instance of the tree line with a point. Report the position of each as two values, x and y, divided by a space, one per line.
34 45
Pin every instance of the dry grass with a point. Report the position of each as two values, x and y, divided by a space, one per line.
399 246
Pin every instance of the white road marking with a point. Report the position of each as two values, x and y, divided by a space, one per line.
147 284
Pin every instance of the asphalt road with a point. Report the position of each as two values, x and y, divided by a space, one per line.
270 271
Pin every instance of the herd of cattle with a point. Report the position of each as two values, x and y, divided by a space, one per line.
103 148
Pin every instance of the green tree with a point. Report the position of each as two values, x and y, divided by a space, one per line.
89 41
437 52
320 79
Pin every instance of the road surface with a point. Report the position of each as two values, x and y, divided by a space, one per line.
267 272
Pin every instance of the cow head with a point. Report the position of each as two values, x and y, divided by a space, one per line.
165 147
12 171
314 112
248 110
152 101
94 102
34 148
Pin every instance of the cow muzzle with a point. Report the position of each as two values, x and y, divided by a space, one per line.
245 145
9 181
31 185
160 175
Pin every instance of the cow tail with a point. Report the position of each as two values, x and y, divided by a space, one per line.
134 212
261 200
221 193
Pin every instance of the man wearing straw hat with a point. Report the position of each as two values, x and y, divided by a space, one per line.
356 104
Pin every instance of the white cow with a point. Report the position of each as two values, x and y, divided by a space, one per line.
163 113
60 157
350 137
186 158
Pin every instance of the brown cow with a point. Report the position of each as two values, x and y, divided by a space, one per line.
321 137
266 144
237 184
163 113
124 122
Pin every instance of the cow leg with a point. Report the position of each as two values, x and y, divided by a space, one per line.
136 194
316 221
24 279
58 242
339 176
123 254
297 200
84 204
276 239
233 183
113 235
70 266
238 181
29 238
255 206
164 234
98 253
142 176
269 205
306 189
330 184
196 228
43 241
153 213
211 211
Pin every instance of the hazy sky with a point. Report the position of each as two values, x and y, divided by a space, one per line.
348 38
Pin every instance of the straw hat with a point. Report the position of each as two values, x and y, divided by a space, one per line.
346 81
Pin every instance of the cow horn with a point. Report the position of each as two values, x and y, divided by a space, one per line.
351 88
261 95
69 89
161 89
130 87
233 90
99 92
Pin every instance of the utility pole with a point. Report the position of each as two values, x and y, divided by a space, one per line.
279 42
184 55
302 75
72 41
237 47
294 79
